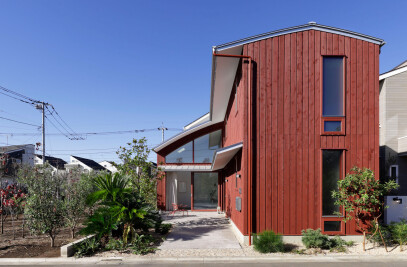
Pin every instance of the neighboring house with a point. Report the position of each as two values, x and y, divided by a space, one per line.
85 164
291 111
56 164
11 157
393 138
109 166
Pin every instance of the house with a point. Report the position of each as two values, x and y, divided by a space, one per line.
109 165
13 156
393 138
87 165
56 164
291 111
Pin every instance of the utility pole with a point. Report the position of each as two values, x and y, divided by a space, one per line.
41 107
162 129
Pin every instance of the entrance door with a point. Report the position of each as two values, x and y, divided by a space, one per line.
205 194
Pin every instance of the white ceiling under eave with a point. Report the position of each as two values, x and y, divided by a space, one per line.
223 76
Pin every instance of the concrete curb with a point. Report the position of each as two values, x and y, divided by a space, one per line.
68 249
202 260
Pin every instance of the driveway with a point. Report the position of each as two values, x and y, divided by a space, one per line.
199 230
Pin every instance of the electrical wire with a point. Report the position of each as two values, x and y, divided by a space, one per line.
26 123
98 133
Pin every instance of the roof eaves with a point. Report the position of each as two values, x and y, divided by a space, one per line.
392 73
304 27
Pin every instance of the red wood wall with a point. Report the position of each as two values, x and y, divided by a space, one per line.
288 143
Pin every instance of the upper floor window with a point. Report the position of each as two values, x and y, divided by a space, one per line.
333 80
333 95
200 150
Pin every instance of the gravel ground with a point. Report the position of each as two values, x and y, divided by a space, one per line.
210 218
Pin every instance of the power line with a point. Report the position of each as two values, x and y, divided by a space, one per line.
63 127
27 100
99 133
26 123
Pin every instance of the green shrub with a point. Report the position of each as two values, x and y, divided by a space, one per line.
315 239
115 244
142 244
86 248
338 244
164 228
386 233
399 232
267 242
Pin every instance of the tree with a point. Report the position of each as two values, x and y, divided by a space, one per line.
143 174
361 197
77 188
44 209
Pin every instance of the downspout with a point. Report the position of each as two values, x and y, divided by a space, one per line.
250 136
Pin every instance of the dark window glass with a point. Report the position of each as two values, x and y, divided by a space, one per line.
331 161
332 126
333 86
182 154
332 226
393 172
205 146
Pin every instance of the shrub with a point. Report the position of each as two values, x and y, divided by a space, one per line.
338 244
142 244
86 248
115 244
315 239
386 233
267 242
164 228
399 232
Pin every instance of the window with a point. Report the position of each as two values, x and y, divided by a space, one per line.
394 173
182 154
200 150
333 94
205 146
332 171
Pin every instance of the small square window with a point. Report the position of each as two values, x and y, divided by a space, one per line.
332 226
332 126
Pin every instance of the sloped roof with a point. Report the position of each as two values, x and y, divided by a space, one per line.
396 70
55 162
90 163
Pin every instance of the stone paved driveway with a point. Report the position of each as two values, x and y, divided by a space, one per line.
199 230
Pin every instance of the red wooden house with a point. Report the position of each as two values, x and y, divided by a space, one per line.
291 112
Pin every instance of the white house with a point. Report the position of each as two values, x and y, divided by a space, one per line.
86 164
108 165
56 164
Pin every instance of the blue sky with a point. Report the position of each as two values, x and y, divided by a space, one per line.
125 65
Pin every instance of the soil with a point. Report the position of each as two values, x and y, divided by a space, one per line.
31 246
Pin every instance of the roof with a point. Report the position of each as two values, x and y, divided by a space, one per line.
90 163
12 148
198 121
305 27
222 156
398 69
54 162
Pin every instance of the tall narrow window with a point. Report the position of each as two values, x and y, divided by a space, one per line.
333 95
332 162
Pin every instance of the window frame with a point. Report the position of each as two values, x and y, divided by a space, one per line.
342 118
397 172
341 210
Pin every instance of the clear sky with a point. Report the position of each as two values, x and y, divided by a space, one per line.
125 65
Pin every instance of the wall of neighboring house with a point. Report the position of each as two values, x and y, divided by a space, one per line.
393 125
288 142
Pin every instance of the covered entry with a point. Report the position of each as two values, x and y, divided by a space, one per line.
195 190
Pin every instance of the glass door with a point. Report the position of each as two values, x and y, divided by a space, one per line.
205 194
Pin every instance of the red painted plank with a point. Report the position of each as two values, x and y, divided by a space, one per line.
305 133
311 217
335 44
293 116
262 132
299 167
275 104
371 106
317 203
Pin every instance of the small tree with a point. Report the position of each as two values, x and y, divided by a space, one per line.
77 188
143 174
361 197
45 209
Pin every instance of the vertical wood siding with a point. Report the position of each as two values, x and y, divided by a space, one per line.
287 89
